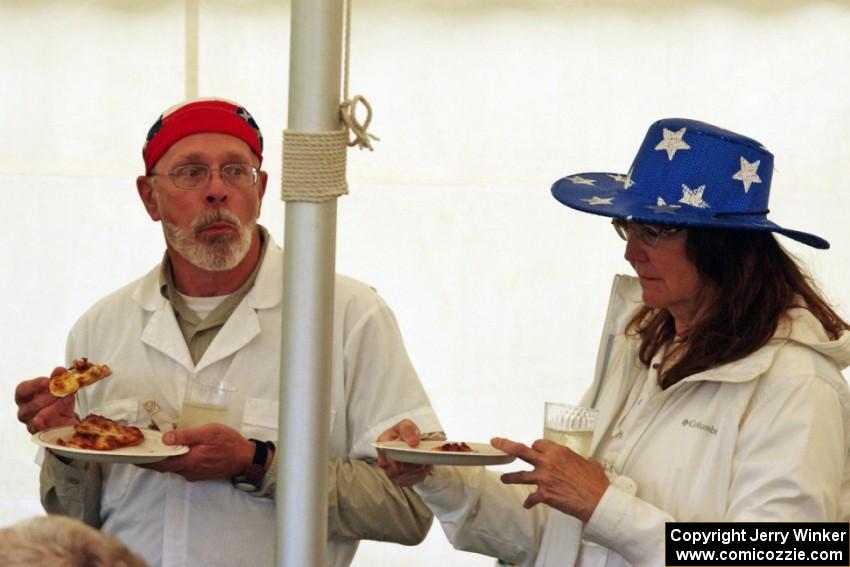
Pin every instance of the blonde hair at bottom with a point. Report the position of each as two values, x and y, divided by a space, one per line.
59 541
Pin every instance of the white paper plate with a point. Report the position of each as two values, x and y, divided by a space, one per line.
150 450
427 453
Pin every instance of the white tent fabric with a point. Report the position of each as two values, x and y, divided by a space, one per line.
479 104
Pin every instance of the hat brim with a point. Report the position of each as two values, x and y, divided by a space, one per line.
605 194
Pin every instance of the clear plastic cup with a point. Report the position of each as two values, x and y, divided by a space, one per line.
217 402
570 425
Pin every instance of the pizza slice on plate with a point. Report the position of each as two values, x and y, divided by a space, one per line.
98 433
81 373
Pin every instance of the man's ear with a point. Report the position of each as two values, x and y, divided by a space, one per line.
145 189
261 190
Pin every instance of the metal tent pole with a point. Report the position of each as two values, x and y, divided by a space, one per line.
308 288
191 66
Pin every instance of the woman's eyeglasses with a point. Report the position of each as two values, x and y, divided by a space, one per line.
649 234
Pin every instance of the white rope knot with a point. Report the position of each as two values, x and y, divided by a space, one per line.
348 114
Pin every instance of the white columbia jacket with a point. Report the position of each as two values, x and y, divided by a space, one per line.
172 522
764 438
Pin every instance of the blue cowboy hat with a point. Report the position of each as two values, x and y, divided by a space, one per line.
686 173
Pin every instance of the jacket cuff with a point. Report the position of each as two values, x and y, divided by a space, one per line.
605 524
627 525
444 487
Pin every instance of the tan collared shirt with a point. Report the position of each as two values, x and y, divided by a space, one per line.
200 333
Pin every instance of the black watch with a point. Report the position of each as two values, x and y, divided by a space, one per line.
251 479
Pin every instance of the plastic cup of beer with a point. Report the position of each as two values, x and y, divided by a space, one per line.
215 402
570 425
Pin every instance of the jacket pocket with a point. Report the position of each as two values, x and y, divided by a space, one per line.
260 419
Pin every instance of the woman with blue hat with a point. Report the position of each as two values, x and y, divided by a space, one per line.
718 379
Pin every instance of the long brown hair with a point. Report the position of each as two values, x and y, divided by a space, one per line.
754 280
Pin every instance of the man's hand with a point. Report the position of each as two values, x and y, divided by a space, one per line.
38 409
565 480
403 474
216 452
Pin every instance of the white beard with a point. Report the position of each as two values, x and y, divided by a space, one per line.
215 254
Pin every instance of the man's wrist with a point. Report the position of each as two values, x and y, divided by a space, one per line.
267 490
251 478
246 455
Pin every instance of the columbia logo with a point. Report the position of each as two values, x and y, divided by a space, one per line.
697 425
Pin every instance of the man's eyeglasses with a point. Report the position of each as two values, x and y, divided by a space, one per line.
649 234
196 176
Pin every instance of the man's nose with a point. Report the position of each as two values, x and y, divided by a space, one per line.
216 189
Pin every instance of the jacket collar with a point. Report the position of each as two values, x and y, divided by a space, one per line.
162 332
268 291
743 370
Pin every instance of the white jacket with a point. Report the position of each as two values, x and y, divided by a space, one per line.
765 438
173 522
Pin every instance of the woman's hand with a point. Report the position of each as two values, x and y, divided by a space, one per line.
565 480
403 474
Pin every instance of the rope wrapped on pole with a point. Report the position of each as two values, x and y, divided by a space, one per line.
314 162
314 166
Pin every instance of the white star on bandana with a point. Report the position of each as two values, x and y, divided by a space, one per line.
673 142
628 182
747 175
579 180
693 197
598 200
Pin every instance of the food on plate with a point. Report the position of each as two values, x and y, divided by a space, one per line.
81 373
458 447
99 433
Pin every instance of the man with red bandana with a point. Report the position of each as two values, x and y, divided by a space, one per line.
211 311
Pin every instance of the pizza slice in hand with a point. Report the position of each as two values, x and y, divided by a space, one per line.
81 373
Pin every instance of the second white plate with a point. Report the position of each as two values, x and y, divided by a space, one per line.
428 453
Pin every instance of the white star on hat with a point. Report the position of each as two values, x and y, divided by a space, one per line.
598 200
747 174
661 206
579 180
693 197
619 178
672 142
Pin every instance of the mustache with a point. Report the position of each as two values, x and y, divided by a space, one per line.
214 216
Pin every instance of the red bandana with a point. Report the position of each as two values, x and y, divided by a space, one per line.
196 117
